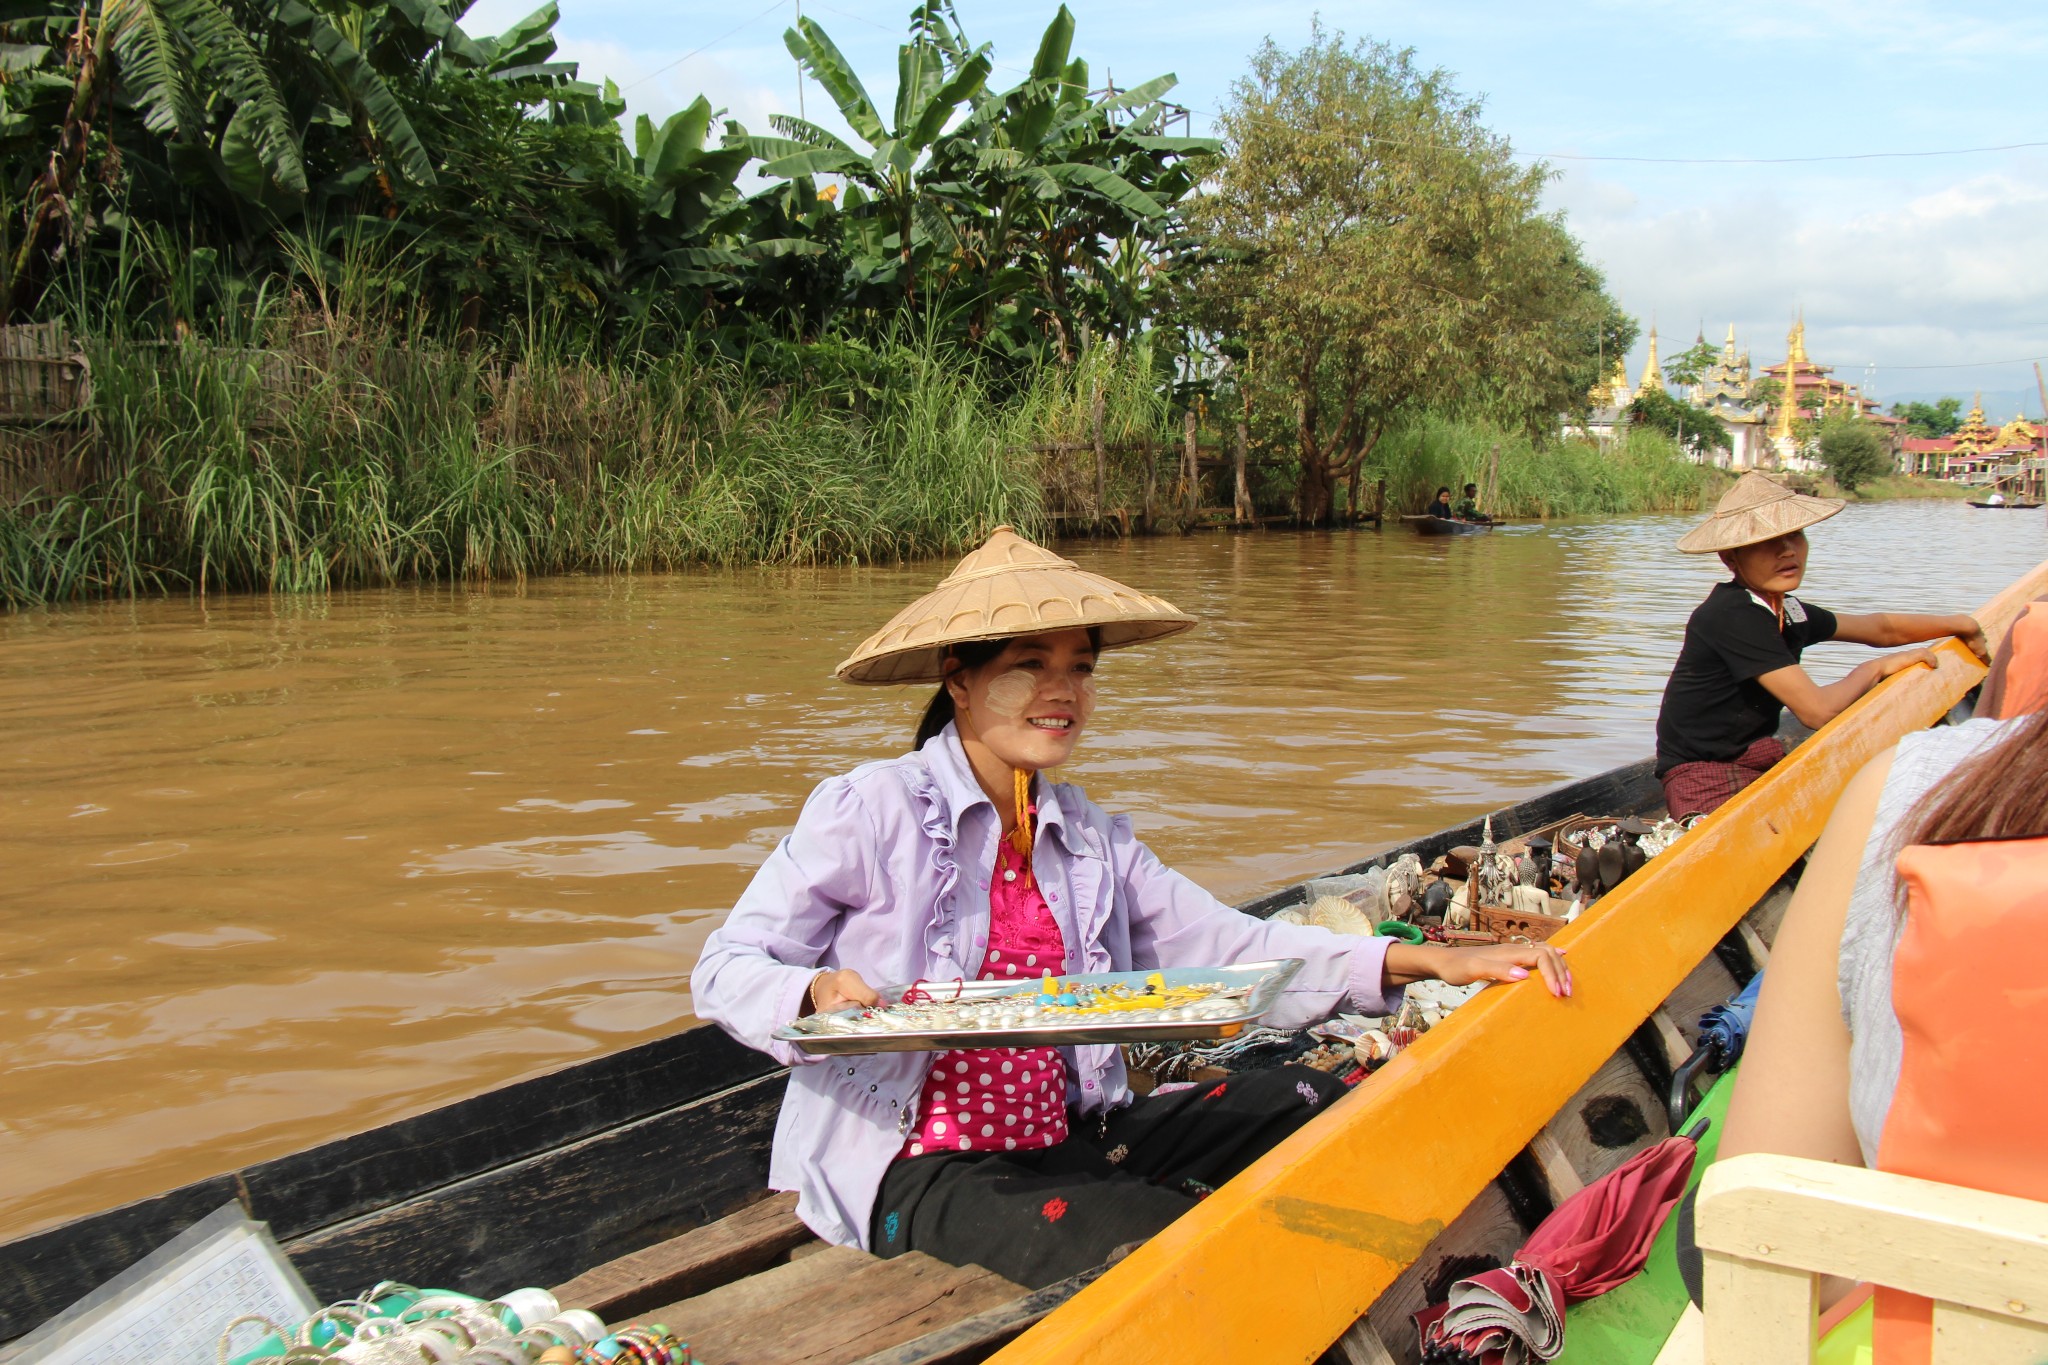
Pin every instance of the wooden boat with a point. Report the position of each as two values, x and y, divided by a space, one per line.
636 1182
2006 506
1428 525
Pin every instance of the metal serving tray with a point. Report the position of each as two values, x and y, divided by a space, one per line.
1267 980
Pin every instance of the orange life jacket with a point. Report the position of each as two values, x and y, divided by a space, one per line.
1971 1106
2019 681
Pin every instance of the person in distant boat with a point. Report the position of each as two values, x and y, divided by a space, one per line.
1739 669
1442 506
1468 506
963 861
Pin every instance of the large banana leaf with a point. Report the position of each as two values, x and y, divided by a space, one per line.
435 21
666 154
162 45
355 75
810 45
939 109
19 57
1108 185
530 40
805 133
792 160
1054 46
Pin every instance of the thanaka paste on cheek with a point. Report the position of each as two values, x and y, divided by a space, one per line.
1085 691
1010 693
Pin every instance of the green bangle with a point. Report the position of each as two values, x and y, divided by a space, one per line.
1401 929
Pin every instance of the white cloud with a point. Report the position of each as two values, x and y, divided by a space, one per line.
1924 32
1948 274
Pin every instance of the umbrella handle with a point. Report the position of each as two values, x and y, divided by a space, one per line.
1705 1057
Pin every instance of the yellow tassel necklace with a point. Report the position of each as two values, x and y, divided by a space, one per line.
1022 837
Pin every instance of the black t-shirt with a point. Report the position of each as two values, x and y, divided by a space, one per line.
1714 707
1440 508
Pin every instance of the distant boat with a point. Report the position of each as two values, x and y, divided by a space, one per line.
2003 506
1446 526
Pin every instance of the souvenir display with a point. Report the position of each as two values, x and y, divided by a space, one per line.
1101 1007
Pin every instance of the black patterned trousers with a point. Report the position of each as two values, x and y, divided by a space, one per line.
1037 1217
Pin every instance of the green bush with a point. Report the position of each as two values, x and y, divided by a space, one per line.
1644 472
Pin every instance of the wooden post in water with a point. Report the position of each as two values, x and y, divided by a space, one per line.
1101 460
1379 505
1240 490
1191 471
1152 481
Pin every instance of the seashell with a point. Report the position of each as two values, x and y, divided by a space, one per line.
1340 916
1293 914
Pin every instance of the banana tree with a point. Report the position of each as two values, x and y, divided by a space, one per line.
173 60
1060 182
937 78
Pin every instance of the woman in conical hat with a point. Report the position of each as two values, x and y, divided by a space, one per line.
962 860
1739 668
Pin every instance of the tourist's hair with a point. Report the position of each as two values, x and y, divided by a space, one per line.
1445 489
2000 793
938 712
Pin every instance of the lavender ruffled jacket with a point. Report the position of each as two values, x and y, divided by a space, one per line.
887 872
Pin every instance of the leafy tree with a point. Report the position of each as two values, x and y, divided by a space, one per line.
1384 254
1690 365
1693 427
1853 452
1931 421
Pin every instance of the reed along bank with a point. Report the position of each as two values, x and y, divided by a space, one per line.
347 456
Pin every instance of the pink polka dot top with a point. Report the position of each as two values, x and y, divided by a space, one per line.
1001 1099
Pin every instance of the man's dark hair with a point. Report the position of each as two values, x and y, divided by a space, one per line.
1471 488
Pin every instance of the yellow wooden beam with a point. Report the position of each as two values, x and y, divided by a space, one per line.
1275 1266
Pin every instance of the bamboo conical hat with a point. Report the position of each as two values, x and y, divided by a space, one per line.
1756 509
1008 587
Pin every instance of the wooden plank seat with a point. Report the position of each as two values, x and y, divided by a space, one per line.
833 1307
759 1236
757 1288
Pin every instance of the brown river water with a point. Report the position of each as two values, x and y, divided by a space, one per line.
276 870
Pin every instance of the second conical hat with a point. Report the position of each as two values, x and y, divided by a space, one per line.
1756 509
1008 587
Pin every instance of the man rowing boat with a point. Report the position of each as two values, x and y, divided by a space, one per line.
1739 667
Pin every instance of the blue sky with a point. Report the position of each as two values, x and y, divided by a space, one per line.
1908 262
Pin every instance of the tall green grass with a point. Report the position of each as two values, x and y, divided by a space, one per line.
322 451
1643 472
337 457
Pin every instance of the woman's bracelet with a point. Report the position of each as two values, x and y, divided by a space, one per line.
810 997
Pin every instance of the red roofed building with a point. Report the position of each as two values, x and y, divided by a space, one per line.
1807 392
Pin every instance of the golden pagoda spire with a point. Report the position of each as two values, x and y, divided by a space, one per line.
1788 394
1653 374
1728 346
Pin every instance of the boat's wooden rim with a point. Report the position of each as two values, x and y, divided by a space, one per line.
1339 1209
